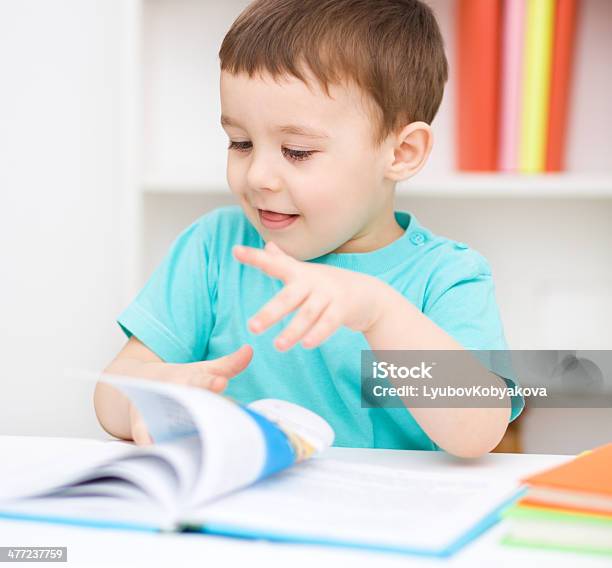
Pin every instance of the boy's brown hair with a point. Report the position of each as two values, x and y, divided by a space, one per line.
392 49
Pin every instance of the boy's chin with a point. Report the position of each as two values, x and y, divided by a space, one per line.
299 251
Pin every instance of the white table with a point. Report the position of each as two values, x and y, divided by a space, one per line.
87 546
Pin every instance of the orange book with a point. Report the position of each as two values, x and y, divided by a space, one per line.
532 504
478 77
584 483
563 51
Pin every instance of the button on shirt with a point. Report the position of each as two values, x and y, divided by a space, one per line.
417 238
197 303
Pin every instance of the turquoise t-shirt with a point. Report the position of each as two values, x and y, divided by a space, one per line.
197 303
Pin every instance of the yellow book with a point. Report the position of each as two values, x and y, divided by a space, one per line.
536 86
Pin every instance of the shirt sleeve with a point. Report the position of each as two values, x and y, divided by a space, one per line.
462 302
173 313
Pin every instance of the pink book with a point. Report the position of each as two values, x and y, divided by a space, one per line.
513 22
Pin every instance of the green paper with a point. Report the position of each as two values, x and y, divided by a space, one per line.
510 541
553 515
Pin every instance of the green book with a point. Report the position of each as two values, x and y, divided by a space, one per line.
558 529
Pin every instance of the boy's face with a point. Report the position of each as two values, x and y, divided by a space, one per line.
330 178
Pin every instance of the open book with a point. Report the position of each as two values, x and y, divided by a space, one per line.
206 446
221 468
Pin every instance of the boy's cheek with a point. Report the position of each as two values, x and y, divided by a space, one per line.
234 178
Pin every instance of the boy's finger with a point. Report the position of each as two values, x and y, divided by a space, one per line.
232 364
274 248
140 434
325 326
302 322
274 265
205 380
218 384
287 300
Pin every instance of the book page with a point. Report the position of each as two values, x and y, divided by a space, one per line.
93 510
152 474
332 500
40 470
231 451
237 445
165 412
205 445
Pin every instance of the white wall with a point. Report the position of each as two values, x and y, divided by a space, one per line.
61 208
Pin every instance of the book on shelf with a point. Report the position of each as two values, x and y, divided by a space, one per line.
561 83
513 19
478 63
514 63
539 26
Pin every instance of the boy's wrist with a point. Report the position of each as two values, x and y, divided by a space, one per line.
387 301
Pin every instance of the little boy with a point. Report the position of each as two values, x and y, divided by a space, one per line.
327 105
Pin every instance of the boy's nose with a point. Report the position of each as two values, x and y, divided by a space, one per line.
261 176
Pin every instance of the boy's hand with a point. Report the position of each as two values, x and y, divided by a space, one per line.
212 375
327 297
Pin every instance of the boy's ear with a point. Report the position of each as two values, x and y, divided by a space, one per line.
411 148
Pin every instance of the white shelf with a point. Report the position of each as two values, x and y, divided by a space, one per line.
470 185
511 185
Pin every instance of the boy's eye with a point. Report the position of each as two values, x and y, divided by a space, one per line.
296 155
240 146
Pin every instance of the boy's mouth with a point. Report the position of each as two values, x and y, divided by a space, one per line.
275 220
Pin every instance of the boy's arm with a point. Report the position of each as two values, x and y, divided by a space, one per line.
326 297
111 406
120 418
465 432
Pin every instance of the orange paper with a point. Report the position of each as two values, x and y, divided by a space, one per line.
589 473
